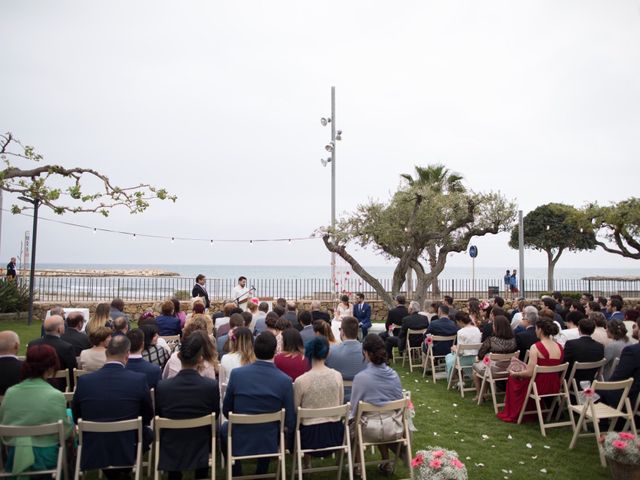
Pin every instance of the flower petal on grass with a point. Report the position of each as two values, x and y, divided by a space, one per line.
543 470
547 447
509 437
485 437
528 445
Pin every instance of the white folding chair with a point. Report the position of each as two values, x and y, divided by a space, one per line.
361 443
258 419
594 412
491 377
574 390
169 424
636 412
173 341
64 374
341 413
413 352
68 396
76 374
111 427
430 358
7 432
532 392
458 368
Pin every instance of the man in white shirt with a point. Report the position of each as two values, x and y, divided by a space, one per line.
571 332
240 293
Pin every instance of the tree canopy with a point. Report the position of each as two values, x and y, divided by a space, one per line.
64 189
619 226
428 217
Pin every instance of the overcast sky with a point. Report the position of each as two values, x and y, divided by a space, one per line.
220 103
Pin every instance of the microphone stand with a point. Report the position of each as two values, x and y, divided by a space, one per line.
237 300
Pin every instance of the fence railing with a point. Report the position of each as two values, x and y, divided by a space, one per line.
84 288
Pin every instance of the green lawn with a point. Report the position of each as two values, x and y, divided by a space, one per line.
446 420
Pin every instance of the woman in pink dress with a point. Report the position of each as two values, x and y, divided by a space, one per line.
546 353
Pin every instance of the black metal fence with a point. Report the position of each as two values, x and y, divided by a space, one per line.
83 288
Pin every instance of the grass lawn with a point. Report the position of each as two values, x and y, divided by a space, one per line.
490 448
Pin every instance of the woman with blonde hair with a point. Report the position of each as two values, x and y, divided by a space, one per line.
240 354
94 358
101 318
322 328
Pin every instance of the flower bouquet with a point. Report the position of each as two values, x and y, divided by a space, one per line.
438 464
622 451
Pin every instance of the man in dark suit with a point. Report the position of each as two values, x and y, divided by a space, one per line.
317 314
116 310
9 363
138 364
413 321
394 317
362 312
305 320
583 349
73 334
258 388
525 339
53 330
292 315
442 326
113 393
199 290
187 395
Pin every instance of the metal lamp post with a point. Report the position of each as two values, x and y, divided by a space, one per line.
36 203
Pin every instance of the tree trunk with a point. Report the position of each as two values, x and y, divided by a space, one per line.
550 267
433 259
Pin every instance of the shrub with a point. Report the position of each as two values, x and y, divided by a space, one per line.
182 294
573 295
14 296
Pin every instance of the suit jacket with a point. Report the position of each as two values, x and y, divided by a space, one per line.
66 356
525 339
259 388
362 312
168 325
199 291
9 372
444 327
152 371
114 313
395 316
628 367
79 341
187 395
583 349
307 333
110 394
414 321
318 315
293 318
347 358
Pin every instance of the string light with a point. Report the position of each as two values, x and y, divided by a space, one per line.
94 231
172 239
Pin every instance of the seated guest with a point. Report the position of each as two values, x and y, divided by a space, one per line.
138 364
347 357
94 358
258 388
378 385
178 313
9 363
152 352
444 327
571 321
628 367
198 309
33 401
467 334
223 321
208 367
270 321
116 309
413 321
591 307
320 387
57 310
292 315
100 319
222 342
546 353
120 326
362 313
317 314
583 349
528 337
495 311
252 309
281 325
248 319
600 333
168 324
292 360
614 307
394 317
240 354
187 395
112 393
74 335
53 329
617 332
322 328
502 341
259 319
305 320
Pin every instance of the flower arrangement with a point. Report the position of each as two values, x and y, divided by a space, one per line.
622 447
438 464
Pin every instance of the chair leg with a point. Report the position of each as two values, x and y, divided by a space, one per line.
461 381
492 386
596 429
576 433
540 416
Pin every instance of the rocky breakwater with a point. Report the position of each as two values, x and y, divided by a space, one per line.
91 272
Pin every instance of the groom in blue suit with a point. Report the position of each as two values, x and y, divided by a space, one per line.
258 388
362 312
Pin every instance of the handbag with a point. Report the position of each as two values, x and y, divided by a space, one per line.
383 426
517 365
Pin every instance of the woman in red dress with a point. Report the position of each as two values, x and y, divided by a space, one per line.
546 353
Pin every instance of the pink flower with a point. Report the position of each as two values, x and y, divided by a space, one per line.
457 463
435 463
410 405
417 461
619 444
486 360
255 300
437 454
429 340
588 392
626 436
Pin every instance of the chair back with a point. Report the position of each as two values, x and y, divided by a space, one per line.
560 369
364 407
172 340
577 366
68 396
64 374
78 373
463 349
624 385
341 411
347 383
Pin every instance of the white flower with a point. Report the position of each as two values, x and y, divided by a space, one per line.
543 470
528 445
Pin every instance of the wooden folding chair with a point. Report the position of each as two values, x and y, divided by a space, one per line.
413 352
111 427
532 392
574 390
173 341
64 374
361 444
430 358
68 396
636 412
57 428
169 424
491 378
594 412
461 352
258 419
76 374
342 413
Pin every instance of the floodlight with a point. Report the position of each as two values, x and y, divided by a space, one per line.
329 147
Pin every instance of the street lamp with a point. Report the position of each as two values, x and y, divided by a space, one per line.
331 148
36 203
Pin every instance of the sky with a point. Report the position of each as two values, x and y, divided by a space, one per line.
220 103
